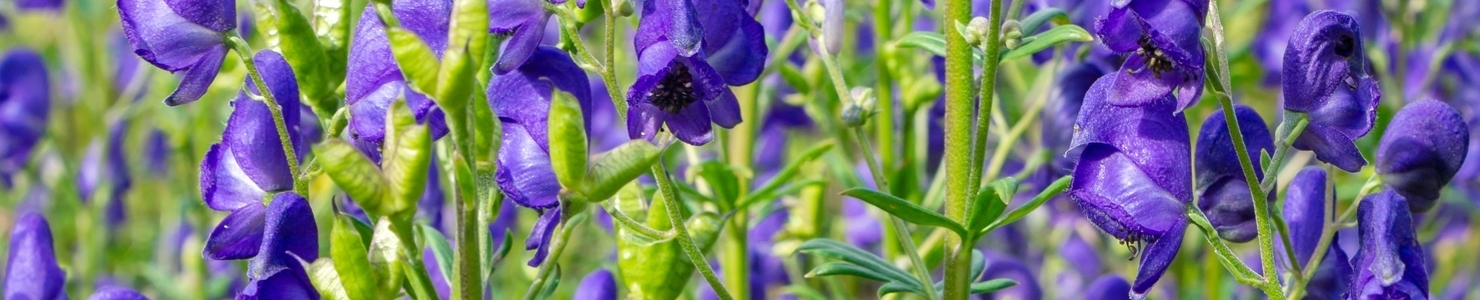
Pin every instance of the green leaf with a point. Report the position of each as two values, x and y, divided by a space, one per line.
385 258
457 79
617 167
990 202
406 158
788 189
722 179
785 176
1048 39
991 285
418 63
1219 55
321 273
354 173
794 78
898 287
331 19
933 42
440 249
567 135
905 210
554 281
842 251
303 52
348 248
978 263
1053 189
844 268
1031 23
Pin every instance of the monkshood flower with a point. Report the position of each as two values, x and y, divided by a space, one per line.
127 63
156 153
1064 101
50 5
599 285
31 270
1274 36
249 163
1002 266
1164 52
289 238
1222 191
1108 287
177 36
521 98
1305 204
1424 147
25 99
1325 77
688 55
117 293
1390 262
375 80
523 22
1132 179
113 169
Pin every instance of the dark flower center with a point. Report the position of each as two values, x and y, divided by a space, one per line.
1345 46
1154 59
675 91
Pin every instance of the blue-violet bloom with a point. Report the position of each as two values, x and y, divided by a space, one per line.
31 270
1325 77
1108 287
523 21
1423 148
1165 54
1222 191
25 100
290 238
599 285
180 35
1305 204
375 80
1390 263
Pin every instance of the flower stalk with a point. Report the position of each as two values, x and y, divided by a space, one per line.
244 51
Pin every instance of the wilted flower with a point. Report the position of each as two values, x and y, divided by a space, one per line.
1305 204
375 80
1162 38
599 285
289 238
31 270
1325 77
1422 150
1390 263
25 99
1222 191
523 21
249 163
687 55
1132 179
521 99
179 36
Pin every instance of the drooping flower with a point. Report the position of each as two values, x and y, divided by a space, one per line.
25 100
177 36
375 80
249 163
1132 179
1390 263
1325 77
523 21
521 99
1108 287
117 293
599 285
290 238
1305 204
1423 148
1165 55
31 270
687 55
1222 191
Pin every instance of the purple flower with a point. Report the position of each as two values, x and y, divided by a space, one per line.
249 163
31 270
1064 101
1161 38
1305 204
1424 147
523 22
521 99
375 80
117 293
290 238
598 285
29 5
1269 48
156 153
1132 179
1108 287
25 99
127 65
180 35
687 55
1325 77
1011 268
1390 262
1222 191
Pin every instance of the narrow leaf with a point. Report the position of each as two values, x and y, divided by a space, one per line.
1053 189
992 285
325 280
843 268
1031 23
348 248
905 210
765 192
406 157
354 173
567 135
990 202
933 42
1048 39
849 253
617 167
441 250
898 287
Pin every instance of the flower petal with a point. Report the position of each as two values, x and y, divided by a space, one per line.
524 171
1158 256
1119 198
539 237
218 15
521 45
198 77
1331 146
289 234
239 236
691 124
31 270
1390 262
733 41
164 38
598 285
1425 145
223 184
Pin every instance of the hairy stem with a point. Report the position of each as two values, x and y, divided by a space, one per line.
686 242
901 233
1262 221
244 51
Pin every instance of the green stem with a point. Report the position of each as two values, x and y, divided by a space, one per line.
1289 132
1241 272
1333 224
986 100
244 51
999 156
901 233
608 73
964 149
558 248
884 89
675 216
1262 220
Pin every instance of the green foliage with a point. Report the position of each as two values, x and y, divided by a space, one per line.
909 212
348 248
567 135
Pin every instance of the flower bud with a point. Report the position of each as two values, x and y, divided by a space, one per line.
1012 33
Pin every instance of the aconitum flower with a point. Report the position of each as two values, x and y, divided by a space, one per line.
25 99
687 55
1108 287
1390 263
1132 179
180 35
1305 204
249 163
113 169
1222 191
521 99
1162 39
375 80
1325 77
27 5
599 285
31 270
116 293
1274 36
289 236
523 21
999 266
1064 101
1422 150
